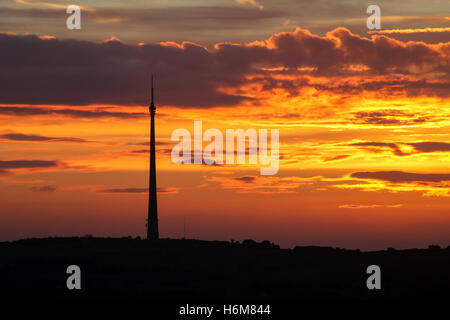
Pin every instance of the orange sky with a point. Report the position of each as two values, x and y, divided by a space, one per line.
312 200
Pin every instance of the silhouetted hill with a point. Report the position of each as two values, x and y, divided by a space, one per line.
213 270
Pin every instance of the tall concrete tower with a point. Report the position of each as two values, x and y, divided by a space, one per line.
152 220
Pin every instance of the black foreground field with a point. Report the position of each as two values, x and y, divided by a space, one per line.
193 270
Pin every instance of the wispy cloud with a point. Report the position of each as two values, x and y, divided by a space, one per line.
134 190
28 164
429 184
49 5
259 184
401 176
369 206
336 158
38 138
74 113
252 3
407 31
48 188
398 149
7 167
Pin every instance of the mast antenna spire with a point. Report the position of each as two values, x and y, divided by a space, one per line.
152 219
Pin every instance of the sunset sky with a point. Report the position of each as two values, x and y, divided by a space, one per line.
363 116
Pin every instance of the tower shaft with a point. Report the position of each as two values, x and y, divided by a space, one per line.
152 220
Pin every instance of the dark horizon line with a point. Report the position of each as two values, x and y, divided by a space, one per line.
245 243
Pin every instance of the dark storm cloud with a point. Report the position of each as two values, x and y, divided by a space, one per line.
400 176
38 138
36 111
50 71
37 71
